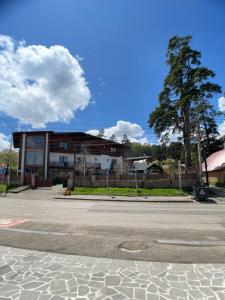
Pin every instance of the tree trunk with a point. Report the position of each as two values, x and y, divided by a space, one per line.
186 136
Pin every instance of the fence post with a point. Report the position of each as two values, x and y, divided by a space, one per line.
179 175
107 178
135 176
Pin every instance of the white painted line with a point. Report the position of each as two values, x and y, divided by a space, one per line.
192 243
39 232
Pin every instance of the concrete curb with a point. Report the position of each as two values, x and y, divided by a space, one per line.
135 200
19 189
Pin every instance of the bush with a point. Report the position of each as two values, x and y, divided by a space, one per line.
219 184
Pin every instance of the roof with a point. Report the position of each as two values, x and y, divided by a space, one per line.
86 137
216 161
138 158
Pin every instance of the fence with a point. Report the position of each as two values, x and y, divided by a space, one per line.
130 181
135 181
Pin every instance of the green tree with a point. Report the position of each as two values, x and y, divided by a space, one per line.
8 157
185 93
125 139
101 133
113 138
175 151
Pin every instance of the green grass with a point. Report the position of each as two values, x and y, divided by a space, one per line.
128 192
3 188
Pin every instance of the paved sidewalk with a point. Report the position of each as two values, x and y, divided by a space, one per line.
33 275
19 189
165 199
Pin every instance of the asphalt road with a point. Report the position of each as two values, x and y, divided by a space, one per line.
188 232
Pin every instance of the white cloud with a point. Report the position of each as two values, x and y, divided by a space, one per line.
221 129
221 104
171 136
39 85
4 142
134 132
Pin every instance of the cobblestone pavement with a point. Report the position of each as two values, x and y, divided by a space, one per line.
31 275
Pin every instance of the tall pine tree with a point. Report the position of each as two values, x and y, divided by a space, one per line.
184 100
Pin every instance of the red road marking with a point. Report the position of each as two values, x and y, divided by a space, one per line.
10 223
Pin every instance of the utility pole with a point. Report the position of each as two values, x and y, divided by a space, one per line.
9 163
199 154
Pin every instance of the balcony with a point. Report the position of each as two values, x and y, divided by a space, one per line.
57 164
93 165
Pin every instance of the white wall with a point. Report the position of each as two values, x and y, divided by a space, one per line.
141 166
54 157
104 160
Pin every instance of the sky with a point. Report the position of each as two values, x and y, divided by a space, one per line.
83 65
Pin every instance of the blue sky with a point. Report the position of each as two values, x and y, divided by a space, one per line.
122 44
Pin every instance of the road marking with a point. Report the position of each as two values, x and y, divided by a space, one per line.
19 230
192 243
5 223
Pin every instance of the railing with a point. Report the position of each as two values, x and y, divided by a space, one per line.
93 165
62 164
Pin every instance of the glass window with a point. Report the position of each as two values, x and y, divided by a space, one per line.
63 159
78 148
35 158
63 145
35 141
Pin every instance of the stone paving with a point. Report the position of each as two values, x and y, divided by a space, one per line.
33 275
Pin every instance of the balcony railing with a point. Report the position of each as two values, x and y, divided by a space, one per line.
62 164
93 165
57 164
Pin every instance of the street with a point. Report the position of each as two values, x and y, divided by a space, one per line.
186 232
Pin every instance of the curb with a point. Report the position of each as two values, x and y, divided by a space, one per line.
126 200
18 190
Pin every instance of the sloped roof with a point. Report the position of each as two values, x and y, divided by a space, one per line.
215 161
81 135
136 158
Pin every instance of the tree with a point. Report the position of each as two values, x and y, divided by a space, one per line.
183 102
125 139
113 138
8 157
101 133
174 151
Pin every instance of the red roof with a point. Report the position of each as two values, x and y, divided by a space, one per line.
215 161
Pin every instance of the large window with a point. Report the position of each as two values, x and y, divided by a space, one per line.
36 141
63 145
35 158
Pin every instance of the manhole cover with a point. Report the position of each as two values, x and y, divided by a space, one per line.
133 246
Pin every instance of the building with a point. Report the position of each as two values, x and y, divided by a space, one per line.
49 155
215 167
139 164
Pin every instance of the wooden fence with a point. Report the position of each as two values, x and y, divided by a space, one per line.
132 181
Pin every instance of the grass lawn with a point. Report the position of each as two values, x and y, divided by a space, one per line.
3 188
128 192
